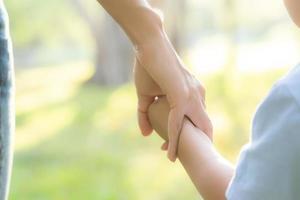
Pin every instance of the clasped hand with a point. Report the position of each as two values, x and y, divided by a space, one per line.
158 72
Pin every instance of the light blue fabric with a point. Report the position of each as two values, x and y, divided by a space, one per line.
7 116
269 166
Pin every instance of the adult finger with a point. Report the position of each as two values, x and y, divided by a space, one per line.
200 119
174 127
144 124
164 146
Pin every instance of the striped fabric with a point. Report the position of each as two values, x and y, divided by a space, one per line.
7 117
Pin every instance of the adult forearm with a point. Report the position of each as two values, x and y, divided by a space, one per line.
137 18
154 51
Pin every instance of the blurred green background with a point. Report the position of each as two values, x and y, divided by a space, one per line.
77 136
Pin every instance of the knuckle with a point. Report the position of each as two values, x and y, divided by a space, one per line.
202 90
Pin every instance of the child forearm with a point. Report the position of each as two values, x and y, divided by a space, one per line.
207 169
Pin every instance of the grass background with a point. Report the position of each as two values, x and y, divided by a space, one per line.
78 141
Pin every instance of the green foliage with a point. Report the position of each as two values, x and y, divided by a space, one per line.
82 142
40 23
91 148
77 141
232 99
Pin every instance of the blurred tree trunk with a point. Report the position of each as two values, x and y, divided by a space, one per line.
179 20
114 57
175 12
113 53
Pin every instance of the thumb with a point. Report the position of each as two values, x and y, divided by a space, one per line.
143 104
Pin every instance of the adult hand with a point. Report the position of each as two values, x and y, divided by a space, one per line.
159 71
155 53
147 90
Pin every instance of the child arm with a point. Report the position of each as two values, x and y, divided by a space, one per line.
208 170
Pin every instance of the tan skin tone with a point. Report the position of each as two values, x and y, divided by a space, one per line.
164 71
159 70
208 170
293 7
179 111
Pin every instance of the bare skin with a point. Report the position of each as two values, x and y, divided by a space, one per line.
159 70
208 170
179 111
293 7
